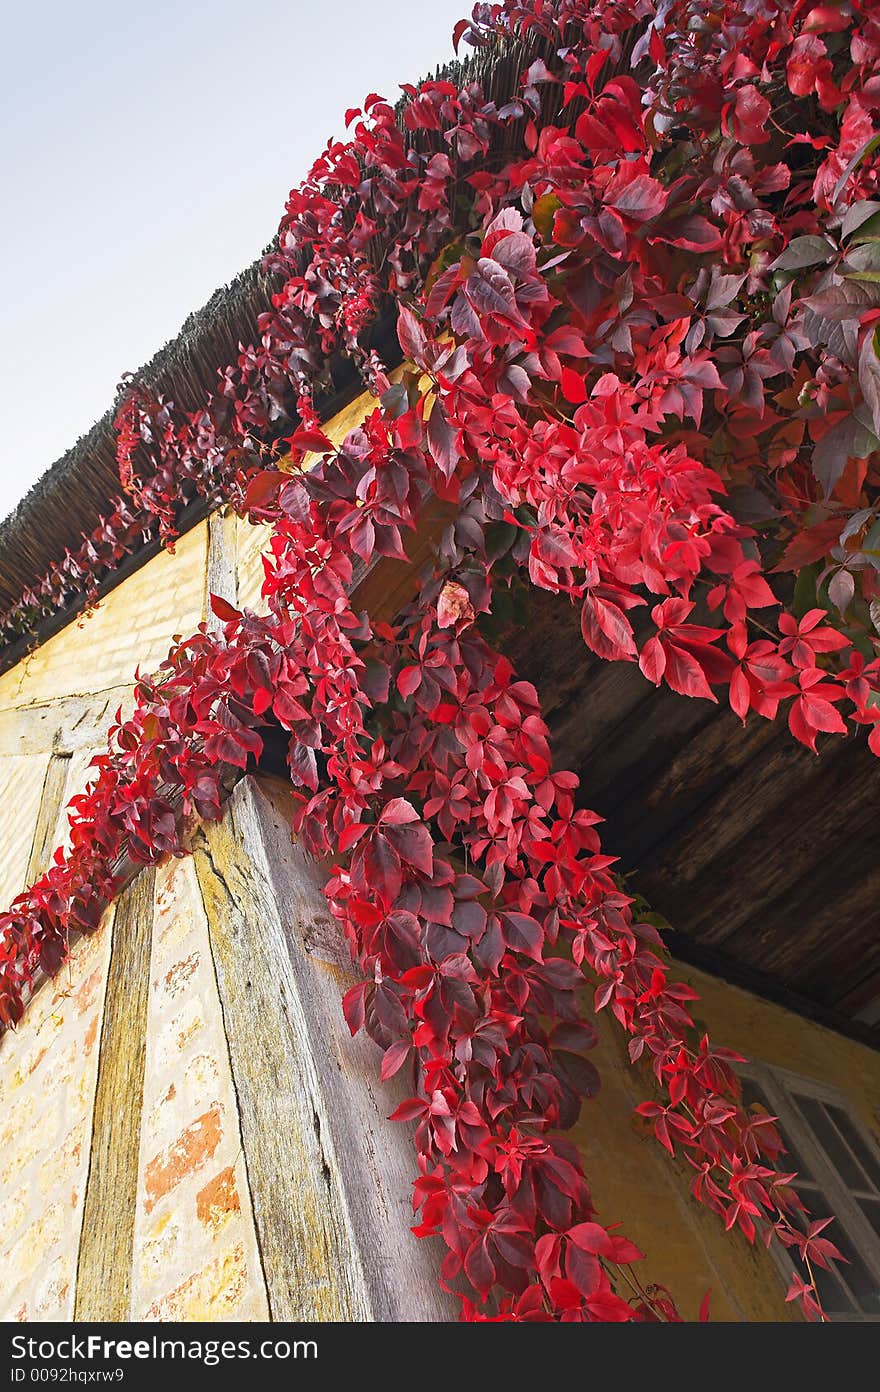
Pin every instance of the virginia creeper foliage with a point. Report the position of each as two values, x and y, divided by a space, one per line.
638 299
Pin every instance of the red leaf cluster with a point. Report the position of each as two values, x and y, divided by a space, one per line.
645 377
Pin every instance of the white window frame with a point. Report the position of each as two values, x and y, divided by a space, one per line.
779 1086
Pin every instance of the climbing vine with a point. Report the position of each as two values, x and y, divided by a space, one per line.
637 291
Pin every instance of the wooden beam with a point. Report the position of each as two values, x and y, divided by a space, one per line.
311 1271
782 851
221 575
65 725
682 754
329 1175
51 799
103 1281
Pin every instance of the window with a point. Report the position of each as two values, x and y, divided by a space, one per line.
838 1167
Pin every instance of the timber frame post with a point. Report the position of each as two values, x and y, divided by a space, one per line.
329 1175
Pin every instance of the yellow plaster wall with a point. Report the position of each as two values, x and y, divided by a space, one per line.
79 776
252 542
133 626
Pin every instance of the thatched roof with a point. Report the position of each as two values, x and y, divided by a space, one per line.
68 500
70 497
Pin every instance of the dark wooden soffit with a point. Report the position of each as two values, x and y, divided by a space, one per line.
764 858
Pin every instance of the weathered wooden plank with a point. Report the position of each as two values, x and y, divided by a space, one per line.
822 933
550 651
586 701
854 984
329 1174
103 1282
757 801
679 761
311 1269
221 574
596 715
51 798
65 725
777 853
835 913
725 830
310 1263
583 698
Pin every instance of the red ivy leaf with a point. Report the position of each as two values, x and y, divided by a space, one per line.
606 629
573 386
353 1006
394 1058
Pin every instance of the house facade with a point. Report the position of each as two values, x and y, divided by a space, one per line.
190 1134
571 407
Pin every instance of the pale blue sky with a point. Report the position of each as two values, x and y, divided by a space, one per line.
147 151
